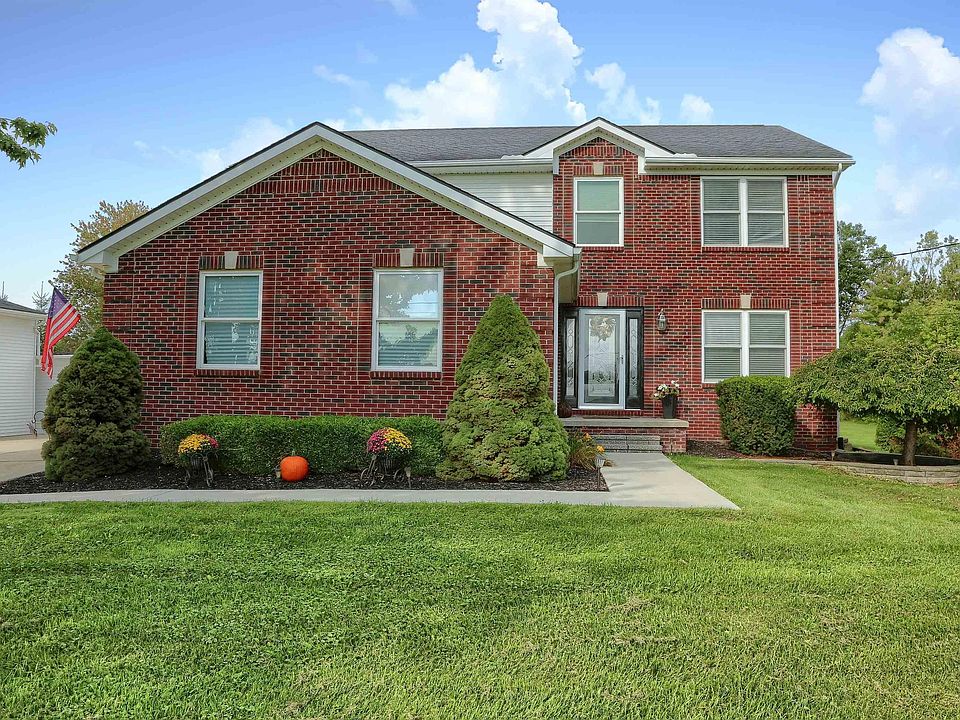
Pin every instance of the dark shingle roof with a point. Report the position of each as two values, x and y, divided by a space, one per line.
7 305
767 141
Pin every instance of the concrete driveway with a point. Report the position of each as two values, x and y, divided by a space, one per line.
20 456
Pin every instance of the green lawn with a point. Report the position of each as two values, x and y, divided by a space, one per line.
860 433
826 597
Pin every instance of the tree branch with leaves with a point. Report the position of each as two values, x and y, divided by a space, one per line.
21 139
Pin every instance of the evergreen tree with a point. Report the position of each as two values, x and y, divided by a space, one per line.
501 424
92 413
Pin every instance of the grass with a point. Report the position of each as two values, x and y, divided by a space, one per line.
860 433
826 597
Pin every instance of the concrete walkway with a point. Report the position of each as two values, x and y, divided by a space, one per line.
634 479
20 456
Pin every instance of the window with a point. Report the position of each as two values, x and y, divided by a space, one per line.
742 211
229 324
598 211
745 343
407 314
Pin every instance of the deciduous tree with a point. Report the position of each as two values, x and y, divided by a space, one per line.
81 285
910 383
860 255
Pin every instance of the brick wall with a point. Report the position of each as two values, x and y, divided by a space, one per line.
663 266
317 229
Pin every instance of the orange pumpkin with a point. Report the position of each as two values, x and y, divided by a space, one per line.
294 468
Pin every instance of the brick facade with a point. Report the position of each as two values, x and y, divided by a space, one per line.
320 227
662 266
317 229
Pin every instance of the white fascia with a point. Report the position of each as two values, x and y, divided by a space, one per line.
759 165
235 179
598 128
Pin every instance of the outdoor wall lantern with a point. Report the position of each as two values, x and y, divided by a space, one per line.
662 321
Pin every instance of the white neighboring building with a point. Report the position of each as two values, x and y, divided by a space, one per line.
18 367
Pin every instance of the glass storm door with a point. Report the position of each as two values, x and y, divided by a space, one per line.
601 358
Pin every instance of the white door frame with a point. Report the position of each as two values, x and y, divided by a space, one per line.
584 337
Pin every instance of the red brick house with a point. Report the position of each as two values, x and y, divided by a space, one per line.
345 272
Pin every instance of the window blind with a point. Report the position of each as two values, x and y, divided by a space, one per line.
722 333
230 320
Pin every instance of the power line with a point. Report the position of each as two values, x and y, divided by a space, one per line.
920 250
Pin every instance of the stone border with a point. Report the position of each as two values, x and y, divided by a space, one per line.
915 475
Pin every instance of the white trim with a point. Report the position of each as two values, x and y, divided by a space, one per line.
684 160
745 211
201 320
744 342
375 321
23 314
288 151
584 340
558 337
597 178
598 128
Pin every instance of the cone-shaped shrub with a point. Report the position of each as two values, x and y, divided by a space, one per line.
92 413
501 423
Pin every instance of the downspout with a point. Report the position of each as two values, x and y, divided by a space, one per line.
556 322
836 271
836 253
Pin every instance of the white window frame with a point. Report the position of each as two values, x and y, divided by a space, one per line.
598 178
745 211
376 319
744 342
202 321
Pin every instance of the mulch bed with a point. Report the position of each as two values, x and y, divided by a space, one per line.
167 477
704 448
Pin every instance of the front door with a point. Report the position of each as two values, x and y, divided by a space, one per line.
601 358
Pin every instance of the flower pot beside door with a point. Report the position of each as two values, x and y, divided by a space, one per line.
669 396
669 407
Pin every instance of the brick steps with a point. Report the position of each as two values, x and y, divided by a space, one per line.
628 442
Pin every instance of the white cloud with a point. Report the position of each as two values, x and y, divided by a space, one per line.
620 101
916 190
916 85
915 95
695 110
338 78
463 95
530 73
401 7
255 134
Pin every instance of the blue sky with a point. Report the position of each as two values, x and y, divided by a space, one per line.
149 98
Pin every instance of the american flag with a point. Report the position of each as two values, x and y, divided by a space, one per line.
61 319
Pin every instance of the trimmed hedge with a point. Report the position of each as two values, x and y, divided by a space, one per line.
757 414
254 444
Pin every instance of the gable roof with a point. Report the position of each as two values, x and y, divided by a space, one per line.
316 136
13 307
718 141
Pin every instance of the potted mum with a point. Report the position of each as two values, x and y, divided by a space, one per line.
195 451
669 395
389 451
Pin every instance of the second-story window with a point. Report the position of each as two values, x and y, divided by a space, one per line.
744 211
598 211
